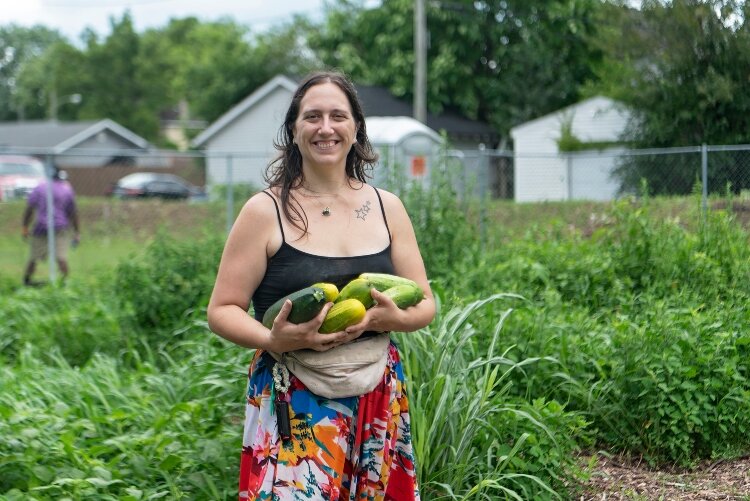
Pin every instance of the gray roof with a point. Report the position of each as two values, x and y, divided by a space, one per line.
379 101
60 136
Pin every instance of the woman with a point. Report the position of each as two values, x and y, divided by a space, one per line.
319 221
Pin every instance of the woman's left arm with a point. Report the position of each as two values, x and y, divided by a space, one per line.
408 263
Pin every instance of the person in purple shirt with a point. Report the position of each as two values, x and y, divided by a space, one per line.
65 217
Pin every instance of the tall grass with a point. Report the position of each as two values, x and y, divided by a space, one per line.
111 431
473 440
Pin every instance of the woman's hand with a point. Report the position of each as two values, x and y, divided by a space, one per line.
384 316
286 336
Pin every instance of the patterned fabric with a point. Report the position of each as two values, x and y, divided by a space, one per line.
356 448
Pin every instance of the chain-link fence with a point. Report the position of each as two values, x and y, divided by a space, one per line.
229 178
612 173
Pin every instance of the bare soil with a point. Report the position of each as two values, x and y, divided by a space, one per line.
619 478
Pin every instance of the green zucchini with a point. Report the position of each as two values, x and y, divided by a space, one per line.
306 304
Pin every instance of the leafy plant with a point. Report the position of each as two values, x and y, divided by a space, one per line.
170 279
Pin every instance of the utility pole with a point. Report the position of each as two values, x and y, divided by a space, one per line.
420 61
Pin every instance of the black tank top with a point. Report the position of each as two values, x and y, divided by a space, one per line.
291 269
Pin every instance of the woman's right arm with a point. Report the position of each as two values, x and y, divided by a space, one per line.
242 267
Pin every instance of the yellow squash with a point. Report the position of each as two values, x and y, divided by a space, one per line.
342 315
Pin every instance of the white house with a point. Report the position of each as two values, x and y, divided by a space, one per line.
542 172
240 142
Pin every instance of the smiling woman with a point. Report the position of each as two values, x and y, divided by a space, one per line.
318 221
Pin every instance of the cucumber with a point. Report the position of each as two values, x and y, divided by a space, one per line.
384 281
405 295
359 288
342 315
332 292
306 304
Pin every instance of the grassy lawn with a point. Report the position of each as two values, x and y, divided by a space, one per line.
115 229
111 230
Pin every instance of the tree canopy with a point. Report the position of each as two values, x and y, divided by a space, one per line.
19 45
502 61
679 65
682 71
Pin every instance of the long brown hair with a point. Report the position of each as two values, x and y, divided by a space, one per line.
285 171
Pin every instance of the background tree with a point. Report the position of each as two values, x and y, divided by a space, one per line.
47 83
500 61
682 74
122 81
17 46
213 66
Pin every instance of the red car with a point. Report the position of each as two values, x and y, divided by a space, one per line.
18 176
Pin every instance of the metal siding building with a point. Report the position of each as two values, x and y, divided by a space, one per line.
542 172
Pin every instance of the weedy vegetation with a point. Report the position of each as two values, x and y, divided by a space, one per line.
561 328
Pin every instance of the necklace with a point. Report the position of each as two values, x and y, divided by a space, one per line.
319 194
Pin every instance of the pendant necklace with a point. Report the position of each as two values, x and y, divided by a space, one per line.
317 194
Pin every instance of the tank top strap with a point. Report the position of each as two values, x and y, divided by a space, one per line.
382 209
278 214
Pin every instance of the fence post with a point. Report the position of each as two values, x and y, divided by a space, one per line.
484 158
51 257
569 174
230 194
704 177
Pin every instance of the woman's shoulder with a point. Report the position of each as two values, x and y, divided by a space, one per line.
391 201
260 206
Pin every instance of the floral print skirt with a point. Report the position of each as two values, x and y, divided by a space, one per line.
356 448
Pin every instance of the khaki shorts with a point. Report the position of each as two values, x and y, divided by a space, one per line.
39 246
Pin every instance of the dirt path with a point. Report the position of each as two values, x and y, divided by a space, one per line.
616 478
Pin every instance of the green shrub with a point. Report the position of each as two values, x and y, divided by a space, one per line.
171 278
679 383
446 225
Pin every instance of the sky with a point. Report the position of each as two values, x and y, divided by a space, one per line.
71 17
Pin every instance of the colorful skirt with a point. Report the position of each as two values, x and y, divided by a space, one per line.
356 448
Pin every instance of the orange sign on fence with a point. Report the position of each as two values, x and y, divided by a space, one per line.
418 166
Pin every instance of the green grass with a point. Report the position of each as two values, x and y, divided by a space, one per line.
111 231
88 259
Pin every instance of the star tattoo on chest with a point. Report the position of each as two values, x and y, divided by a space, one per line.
363 211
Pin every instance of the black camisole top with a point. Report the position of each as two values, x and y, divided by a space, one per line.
291 269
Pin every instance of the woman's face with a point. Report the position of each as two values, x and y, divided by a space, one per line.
325 130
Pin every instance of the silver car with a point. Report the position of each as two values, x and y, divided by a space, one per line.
19 175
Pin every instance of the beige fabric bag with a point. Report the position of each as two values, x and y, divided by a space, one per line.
348 370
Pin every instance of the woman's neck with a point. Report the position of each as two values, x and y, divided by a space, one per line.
325 185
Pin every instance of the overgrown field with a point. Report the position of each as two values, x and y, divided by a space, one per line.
561 327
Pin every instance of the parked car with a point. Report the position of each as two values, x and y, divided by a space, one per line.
155 185
19 175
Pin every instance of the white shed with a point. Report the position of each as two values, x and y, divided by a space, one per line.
408 150
542 172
